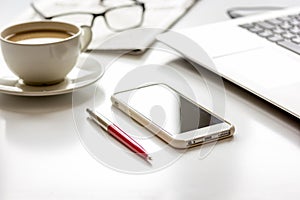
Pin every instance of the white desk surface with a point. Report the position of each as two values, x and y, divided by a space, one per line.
44 155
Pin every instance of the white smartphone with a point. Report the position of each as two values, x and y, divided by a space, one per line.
173 117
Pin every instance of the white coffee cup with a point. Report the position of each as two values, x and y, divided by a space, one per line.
43 52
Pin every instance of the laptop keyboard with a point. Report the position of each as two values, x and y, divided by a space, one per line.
284 31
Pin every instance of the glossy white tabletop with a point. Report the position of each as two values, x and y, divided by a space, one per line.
49 150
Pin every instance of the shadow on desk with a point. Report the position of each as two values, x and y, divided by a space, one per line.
39 124
47 104
267 113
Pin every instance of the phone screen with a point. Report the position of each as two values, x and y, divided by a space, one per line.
167 109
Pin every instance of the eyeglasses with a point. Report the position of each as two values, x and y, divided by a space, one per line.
117 18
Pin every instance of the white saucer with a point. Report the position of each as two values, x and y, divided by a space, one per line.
87 71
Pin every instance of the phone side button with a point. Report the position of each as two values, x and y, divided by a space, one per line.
116 104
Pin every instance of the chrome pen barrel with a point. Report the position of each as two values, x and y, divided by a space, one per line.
101 121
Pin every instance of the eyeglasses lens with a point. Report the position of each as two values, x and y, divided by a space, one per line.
124 17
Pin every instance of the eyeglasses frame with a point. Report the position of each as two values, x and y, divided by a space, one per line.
95 15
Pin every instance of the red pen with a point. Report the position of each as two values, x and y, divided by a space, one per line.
120 135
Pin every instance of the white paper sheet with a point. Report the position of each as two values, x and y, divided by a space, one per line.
159 16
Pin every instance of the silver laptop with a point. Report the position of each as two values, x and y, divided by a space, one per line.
260 53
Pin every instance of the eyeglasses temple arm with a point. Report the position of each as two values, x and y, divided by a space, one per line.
59 15
39 12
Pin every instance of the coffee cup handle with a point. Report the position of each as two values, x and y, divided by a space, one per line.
86 37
